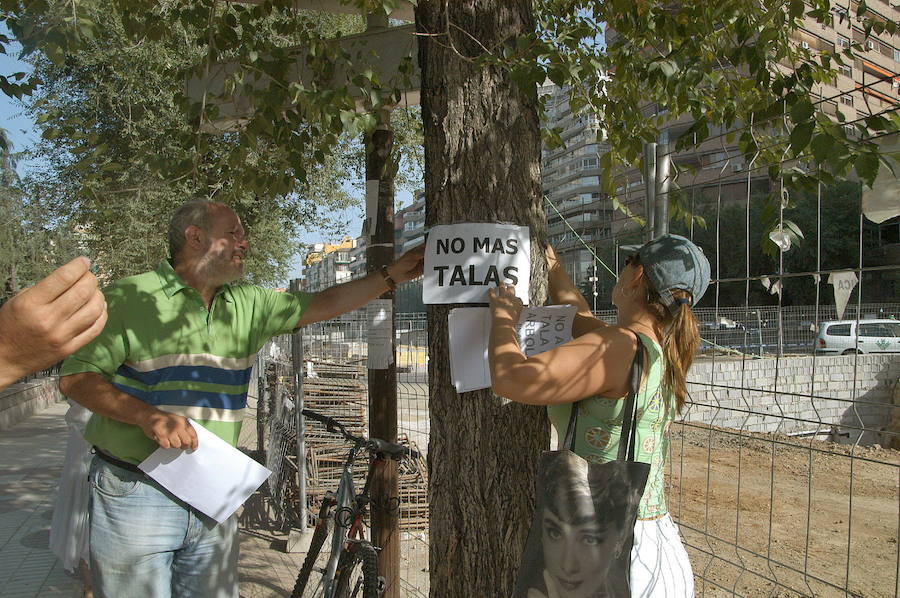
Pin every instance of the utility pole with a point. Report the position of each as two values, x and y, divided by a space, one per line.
381 337
298 539
387 48
663 184
649 190
657 183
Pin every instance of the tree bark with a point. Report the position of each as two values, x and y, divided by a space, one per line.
482 148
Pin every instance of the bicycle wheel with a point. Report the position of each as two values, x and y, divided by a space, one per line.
358 572
310 581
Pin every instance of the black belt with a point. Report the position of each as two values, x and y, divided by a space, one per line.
117 462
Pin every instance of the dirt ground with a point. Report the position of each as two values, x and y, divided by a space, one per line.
767 515
761 515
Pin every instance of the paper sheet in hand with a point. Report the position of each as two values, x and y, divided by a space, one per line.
540 329
215 479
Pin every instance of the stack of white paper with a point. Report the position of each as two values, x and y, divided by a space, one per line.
540 329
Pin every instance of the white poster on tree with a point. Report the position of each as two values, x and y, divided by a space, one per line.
463 261
540 329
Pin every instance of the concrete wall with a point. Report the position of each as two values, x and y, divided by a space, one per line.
852 392
21 400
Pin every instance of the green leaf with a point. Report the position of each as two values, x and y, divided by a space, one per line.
821 145
867 167
800 136
802 110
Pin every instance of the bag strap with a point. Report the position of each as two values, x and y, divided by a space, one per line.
570 431
627 439
629 425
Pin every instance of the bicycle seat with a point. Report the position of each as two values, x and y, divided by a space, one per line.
394 451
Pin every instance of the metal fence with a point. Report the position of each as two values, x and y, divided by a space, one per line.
783 471
753 507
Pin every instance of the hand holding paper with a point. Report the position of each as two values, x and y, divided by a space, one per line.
215 479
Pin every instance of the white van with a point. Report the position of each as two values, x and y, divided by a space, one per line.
864 336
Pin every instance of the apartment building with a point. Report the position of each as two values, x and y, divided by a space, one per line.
579 215
409 224
327 264
714 170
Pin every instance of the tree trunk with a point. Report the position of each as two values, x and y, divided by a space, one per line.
482 148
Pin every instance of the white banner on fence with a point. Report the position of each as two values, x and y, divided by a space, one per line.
463 261
540 329
381 347
843 283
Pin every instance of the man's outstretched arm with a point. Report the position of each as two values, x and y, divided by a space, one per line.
342 298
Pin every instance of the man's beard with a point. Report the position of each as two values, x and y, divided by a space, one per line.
223 270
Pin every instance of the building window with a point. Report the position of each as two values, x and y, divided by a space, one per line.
889 233
847 100
715 160
846 71
843 42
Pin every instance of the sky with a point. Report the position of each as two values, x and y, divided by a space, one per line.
22 132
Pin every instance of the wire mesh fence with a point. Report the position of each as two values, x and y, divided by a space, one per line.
783 469
780 472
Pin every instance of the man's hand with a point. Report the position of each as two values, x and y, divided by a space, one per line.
169 430
49 321
409 265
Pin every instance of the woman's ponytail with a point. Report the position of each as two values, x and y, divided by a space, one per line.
680 344
681 338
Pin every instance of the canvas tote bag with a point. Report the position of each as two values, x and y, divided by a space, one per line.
579 544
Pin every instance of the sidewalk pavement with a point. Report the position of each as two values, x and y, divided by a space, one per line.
31 458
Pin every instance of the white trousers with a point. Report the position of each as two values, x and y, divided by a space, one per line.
659 563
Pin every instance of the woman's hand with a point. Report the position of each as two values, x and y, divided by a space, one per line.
504 303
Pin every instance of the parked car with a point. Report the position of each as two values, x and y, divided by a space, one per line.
863 336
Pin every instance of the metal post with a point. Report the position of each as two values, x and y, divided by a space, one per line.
382 370
759 331
649 190
297 371
261 406
663 184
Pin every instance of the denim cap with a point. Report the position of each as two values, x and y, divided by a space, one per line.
673 262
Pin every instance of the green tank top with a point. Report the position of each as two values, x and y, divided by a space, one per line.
600 426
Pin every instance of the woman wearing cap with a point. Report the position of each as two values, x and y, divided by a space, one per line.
654 294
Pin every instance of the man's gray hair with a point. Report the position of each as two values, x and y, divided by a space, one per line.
197 213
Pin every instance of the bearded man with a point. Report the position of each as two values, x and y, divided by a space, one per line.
180 342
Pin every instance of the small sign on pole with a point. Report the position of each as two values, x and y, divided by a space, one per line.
463 261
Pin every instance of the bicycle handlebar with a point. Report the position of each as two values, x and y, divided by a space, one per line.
375 445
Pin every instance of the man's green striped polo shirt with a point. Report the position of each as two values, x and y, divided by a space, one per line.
162 346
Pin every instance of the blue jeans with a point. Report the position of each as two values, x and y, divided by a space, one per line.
145 543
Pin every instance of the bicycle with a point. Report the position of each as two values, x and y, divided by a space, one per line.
350 569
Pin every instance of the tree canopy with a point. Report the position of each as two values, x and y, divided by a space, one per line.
118 154
718 62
